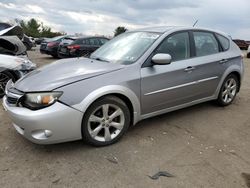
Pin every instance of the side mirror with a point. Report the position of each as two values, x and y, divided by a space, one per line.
161 59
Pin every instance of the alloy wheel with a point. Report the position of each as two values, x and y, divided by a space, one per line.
106 122
4 78
229 90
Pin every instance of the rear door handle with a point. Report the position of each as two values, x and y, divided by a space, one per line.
188 69
223 61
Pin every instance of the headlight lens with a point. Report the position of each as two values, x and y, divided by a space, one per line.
37 101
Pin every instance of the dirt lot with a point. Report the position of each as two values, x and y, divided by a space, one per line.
202 146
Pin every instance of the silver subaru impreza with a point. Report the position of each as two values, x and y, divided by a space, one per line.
137 75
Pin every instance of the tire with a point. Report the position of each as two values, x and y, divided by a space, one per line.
55 56
248 55
228 90
4 78
101 130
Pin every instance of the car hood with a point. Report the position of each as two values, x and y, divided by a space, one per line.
64 72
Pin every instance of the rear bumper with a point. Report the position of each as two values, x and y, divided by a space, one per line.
54 124
49 51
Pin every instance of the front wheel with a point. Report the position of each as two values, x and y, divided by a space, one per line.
228 90
105 121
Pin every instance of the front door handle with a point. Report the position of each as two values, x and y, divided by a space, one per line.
223 61
189 69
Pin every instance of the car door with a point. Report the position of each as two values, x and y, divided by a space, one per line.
166 86
209 62
94 44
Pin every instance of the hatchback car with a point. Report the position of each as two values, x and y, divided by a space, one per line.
50 46
136 75
80 46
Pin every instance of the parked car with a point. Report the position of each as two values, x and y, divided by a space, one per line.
13 68
248 52
79 46
12 45
242 44
38 41
7 29
137 75
50 46
27 42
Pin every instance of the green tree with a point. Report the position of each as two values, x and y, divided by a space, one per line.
119 30
37 29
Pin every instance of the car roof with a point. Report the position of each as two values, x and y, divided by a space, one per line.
164 29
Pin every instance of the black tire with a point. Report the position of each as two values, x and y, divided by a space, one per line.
55 56
110 100
220 101
248 55
7 76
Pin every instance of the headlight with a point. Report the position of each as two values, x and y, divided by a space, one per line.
37 101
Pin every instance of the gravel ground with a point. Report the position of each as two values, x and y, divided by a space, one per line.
202 146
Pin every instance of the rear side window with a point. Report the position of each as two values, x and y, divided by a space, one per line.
224 41
176 45
205 43
93 41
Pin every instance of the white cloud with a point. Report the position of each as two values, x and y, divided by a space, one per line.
102 16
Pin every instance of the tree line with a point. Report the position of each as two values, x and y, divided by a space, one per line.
36 29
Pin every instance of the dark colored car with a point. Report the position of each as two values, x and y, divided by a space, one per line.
27 42
38 41
242 44
80 46
50 46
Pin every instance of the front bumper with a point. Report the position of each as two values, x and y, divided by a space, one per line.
54 124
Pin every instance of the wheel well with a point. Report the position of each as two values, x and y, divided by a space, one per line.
238 77
12 72
127 102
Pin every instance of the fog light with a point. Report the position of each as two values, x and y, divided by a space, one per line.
47 133
41 134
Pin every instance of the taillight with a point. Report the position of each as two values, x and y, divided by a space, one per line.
51 44
75 47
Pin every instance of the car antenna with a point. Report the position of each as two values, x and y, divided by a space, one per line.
195 22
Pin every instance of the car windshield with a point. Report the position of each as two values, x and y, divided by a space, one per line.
125 48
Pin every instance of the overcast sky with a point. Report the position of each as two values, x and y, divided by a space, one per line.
103 16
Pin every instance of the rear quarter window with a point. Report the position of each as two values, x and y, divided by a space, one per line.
223 41
205 43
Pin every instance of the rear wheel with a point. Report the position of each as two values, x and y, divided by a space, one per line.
105 121
4 78
248 55
228 90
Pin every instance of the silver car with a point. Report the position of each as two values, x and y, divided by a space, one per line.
137 75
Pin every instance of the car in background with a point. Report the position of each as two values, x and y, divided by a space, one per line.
248 52
27 41
13 68
50 46
137 75
79 46
38 41
241 43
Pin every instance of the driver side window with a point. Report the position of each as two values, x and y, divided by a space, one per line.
177 45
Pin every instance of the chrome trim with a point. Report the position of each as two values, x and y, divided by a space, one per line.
182 85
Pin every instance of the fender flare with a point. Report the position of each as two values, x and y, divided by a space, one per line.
233 68
109 90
